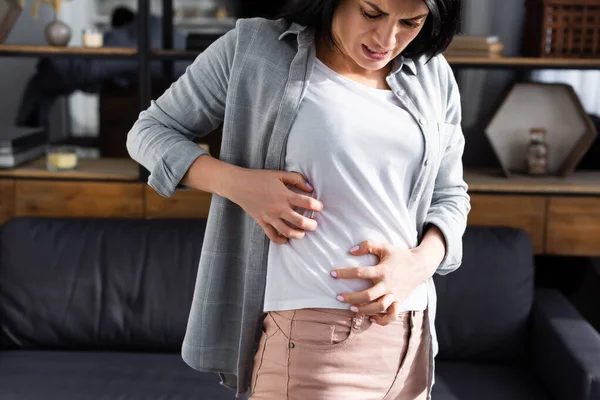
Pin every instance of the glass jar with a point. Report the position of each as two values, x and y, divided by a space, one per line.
92 38
536 162
61 158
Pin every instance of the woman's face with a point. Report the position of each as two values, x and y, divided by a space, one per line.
374 32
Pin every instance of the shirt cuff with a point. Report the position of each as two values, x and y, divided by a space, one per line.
453 256
168 172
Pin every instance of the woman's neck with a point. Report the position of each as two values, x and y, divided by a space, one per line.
346 66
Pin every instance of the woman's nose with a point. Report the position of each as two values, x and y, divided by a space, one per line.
386 37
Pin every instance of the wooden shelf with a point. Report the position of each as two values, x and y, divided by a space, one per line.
111 169
462 62
524 62
175 54
493 181
35 51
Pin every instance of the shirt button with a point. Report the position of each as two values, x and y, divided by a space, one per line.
400 93
426 162
422 121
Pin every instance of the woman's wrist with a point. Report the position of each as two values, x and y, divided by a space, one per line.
431 251
211 175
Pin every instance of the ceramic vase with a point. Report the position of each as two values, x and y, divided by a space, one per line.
57 33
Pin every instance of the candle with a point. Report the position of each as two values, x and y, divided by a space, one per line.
92 37
61 158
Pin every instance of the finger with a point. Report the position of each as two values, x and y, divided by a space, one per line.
286 230
273 235
364 297
296 179
356 273
370 247
301 222
386 319
380 305
306 202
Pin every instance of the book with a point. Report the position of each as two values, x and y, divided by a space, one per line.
15 139
16 159
475 41
492 51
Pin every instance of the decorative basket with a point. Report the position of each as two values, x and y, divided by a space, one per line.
562 28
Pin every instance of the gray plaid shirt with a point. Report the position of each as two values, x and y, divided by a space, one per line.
252 81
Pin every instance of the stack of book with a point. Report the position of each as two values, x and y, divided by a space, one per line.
475 46
21 145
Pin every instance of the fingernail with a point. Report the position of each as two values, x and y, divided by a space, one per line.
352 250
373 321
354 309
334 274
310 186
340 298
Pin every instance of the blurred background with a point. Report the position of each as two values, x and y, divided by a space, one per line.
74 76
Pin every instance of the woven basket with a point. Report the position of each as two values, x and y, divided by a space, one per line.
562 28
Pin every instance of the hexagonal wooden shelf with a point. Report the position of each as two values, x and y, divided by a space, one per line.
555 107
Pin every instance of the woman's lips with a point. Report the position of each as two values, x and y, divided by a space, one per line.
375 56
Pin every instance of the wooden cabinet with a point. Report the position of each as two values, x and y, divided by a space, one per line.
562 216
524 212
7 200
39 198
55 198
183 204
574 226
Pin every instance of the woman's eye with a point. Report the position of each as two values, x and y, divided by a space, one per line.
370 16
410 24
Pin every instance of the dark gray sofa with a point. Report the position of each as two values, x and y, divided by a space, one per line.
97 309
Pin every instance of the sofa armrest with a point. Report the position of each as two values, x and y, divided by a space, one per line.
566 348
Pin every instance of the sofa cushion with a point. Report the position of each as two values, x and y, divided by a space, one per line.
58 375
484 306
97 283
457 381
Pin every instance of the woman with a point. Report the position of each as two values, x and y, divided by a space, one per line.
338 195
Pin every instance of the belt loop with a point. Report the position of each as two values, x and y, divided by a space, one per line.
357 321
412 319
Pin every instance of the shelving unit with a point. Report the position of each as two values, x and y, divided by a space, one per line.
144 55
553 210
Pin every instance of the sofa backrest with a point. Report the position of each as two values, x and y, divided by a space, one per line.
97 283
128 285
484 306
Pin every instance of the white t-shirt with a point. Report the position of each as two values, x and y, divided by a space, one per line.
360 150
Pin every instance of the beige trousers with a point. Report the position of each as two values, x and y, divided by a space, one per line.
329 354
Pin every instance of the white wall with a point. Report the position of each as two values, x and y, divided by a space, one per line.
83 108
15 72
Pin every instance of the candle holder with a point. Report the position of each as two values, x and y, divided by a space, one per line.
61 158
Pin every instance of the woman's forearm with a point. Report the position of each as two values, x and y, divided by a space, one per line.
211 175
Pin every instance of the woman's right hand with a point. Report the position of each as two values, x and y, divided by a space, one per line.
264 195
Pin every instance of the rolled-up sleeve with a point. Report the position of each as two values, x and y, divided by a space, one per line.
450 204
162 138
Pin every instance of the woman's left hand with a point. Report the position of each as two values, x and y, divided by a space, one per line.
395 277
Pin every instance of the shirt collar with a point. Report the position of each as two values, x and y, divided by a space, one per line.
398 63
294 29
